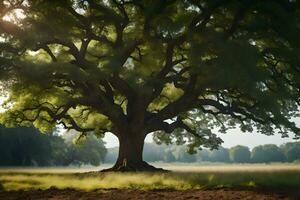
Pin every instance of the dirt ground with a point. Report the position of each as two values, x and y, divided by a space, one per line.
116 194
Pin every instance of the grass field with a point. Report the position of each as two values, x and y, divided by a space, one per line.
182 177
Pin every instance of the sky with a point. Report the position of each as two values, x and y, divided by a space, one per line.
232 138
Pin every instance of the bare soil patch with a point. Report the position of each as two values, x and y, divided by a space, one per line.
118 194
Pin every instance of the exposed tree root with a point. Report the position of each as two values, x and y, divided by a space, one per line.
133 167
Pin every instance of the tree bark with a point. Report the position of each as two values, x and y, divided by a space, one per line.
130 158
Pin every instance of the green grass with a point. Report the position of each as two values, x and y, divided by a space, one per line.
273 177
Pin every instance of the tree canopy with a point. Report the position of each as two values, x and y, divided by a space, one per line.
178 68
292 151
240 154
267 153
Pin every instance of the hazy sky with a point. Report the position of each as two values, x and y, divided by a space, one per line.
232 138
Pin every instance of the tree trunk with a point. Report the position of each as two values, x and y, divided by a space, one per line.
130 156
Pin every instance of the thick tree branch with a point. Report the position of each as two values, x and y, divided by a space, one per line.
241 12
50 53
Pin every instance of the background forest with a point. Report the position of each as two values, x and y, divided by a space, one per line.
28 147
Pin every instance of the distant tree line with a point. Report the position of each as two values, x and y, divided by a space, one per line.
268 153
28 147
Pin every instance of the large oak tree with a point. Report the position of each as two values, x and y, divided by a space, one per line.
175 68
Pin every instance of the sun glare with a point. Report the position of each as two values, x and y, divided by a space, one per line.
2 99
14 16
